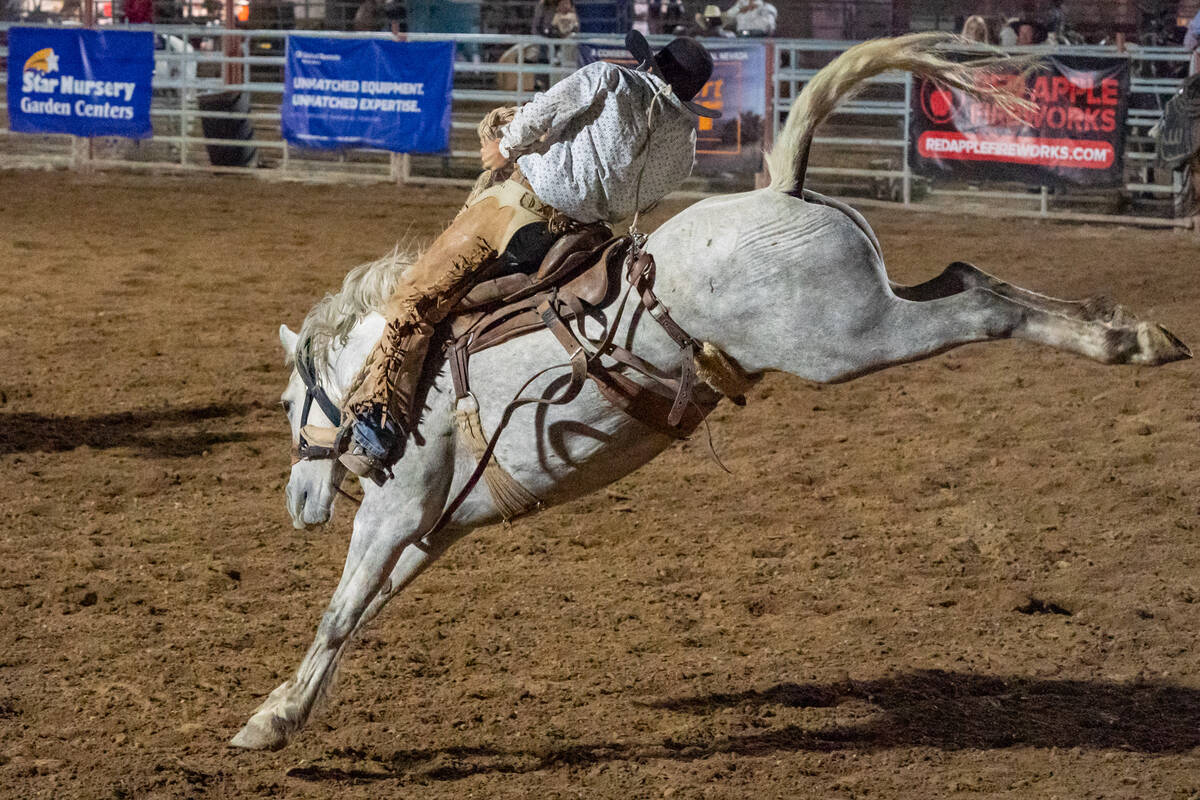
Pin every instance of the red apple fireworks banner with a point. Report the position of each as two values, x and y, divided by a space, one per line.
1074 135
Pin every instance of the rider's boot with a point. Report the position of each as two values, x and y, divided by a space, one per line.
375 442
375 433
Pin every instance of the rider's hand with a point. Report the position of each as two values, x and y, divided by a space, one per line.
491 156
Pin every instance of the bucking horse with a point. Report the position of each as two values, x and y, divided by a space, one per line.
777 279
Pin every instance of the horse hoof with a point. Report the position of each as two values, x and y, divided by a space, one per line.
1157 345
264 731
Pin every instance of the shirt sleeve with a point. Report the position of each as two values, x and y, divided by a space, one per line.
1193 33
549 112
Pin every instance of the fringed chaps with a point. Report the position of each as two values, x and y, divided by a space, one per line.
426 293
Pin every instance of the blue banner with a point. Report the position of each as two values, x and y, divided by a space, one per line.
81 82
341 93
737 88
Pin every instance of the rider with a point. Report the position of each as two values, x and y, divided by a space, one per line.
599 146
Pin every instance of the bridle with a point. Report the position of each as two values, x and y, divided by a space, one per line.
314 392
304 450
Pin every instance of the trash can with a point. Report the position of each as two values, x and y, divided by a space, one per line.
239 129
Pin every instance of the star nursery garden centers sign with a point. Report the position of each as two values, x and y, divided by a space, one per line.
81 82
1075 134
340 93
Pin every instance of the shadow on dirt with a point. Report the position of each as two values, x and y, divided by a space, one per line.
177 431
947 710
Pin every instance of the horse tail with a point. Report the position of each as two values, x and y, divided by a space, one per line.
845 75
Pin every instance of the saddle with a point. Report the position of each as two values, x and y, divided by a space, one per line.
583 272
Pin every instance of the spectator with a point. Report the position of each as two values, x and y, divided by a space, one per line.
564 25
565 21
975 29
1056 20
365 16
543 13
666 16
1030 32
395 13
752 17
712 24
1008 32
1192 40
139 11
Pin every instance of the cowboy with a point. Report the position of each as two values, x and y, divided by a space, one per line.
712 24
599 146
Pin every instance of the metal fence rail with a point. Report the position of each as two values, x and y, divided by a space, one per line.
862 150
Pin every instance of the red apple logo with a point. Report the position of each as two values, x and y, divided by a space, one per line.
939 104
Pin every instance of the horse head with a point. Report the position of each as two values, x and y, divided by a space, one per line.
313 391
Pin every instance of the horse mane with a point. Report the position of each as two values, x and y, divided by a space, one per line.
365 288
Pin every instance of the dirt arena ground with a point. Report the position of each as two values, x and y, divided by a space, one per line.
970 577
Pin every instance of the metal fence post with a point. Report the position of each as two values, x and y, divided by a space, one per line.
184 121
907 179
771 93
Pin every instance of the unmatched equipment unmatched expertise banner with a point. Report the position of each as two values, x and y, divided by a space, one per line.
1074 135
341 93
81 82
737 88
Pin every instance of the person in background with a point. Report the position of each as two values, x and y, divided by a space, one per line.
752 17
712 24
565 21
1056 21
394 13
139 11
975 29
543 12
666 16
1191 39
1008 32
365 16
564 25
1030 32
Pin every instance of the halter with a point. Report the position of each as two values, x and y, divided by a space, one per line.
306 368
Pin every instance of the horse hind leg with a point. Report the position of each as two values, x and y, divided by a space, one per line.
908 331
1154 343
960 276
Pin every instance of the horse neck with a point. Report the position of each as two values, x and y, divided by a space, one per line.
346 360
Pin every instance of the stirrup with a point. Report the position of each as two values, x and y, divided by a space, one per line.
356 460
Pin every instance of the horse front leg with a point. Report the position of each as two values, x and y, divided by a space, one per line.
287 708
386 553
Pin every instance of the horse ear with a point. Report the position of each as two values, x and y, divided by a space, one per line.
288 339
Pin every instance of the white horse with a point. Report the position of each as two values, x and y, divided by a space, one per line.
778 279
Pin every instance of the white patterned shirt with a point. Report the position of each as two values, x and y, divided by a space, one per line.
601 140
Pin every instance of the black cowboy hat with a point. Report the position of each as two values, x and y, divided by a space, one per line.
684 64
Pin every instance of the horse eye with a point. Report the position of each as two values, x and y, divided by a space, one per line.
287 407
